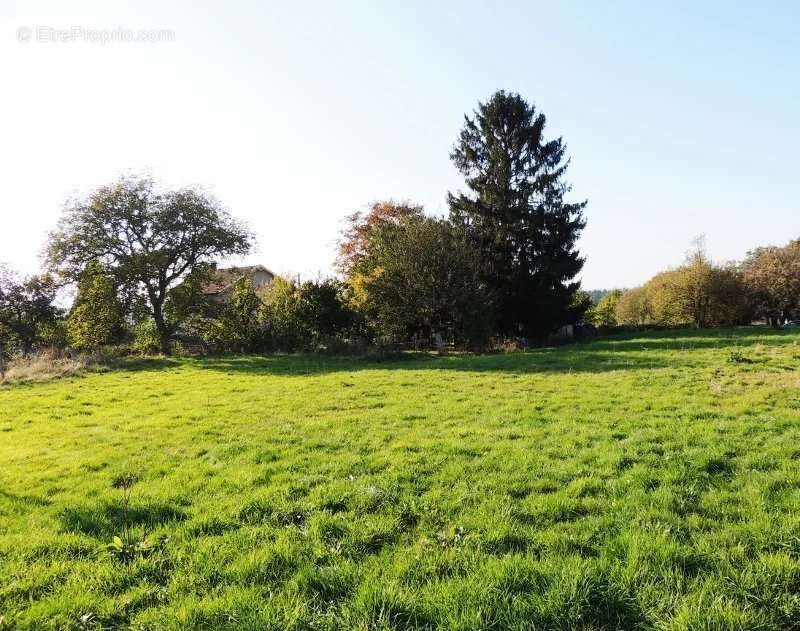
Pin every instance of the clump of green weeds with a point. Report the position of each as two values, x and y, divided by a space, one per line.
128 545
738 357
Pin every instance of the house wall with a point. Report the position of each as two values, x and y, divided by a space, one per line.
261 279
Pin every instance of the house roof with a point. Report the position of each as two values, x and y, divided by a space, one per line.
224 278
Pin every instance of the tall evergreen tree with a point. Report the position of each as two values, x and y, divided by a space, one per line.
517 215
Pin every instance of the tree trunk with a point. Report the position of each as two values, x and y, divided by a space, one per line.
164 341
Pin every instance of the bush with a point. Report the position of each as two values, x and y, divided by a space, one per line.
146 339
309 316
240 326
282 313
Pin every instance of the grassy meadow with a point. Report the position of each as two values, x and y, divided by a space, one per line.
650 481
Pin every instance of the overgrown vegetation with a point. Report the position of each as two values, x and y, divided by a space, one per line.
54 364
645 481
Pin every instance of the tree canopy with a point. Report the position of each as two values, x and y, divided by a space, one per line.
355 239
26 306
604 313
698 292
419 276
773 276
148 239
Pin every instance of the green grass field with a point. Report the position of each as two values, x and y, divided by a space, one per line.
649 482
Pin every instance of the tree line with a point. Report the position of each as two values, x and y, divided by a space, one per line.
502 264
764 286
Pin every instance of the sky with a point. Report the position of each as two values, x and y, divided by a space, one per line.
681 118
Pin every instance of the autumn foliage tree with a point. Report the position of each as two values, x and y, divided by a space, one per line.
415 276
772 275
604 313
634 308
698 293
354 243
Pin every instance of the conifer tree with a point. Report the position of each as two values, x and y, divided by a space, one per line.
516 213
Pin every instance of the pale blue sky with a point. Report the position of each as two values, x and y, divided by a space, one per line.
680 119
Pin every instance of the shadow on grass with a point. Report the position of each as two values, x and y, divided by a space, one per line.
576 358
108 519
25 501
142 364
629 351
691 339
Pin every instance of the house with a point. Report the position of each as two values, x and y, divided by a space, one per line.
223 280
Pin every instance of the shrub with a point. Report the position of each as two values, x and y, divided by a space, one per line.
240 326
308 316
146 339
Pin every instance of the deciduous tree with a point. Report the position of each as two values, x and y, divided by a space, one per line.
634 307
772 274
420 276
604 314
355 239
699 292
27 309
148 239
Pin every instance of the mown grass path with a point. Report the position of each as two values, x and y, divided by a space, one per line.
649 481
